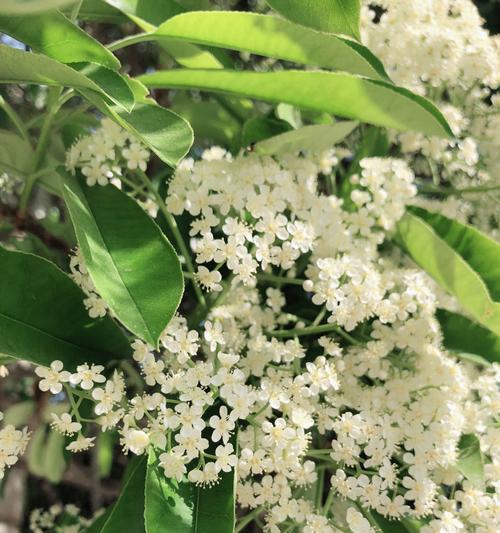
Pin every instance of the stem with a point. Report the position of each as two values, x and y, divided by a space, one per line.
177 234
75 11
313 330
247 519
15 119
74 406
128 41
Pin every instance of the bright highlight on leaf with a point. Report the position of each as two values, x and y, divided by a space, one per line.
342 94
132 264
460 258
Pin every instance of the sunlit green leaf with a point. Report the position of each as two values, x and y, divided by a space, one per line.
460 258
470 459
132 264
315 138
334 16
343 94
57 37
272 37
29 7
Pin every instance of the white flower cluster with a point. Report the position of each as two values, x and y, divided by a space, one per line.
63 519
360 386
94 304
107 154
439 48
13 443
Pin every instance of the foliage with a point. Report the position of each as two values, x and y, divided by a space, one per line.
254 312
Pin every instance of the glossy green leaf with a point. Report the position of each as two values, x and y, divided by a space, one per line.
42 316
148 14
17 66
334 16
55 36
132 264
315 138
257 129
99 11
167 134
470 459
185 507
29 7
343 94
460 258
464 337
272 37
114 85
127 514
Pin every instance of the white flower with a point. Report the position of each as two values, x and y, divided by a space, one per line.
81 444
209 280
137 156
64 424
226 460
135 440
357 522
173 465
86 376
52 377
222 425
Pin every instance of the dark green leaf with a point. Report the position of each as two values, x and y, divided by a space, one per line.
127 514
460 258
42 316
15 152
272 37
259 128
132 264
185 507
465 337
55 36
315 138
334 16
343 94
470 459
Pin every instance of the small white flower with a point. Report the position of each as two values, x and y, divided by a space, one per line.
52 377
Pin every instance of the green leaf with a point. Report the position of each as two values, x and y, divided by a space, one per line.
25 7
114 85
272 37
148 14
55 36
16 153
127 514
315 138
343 94
460 258
464 337
36 450
259 128
334 16
209 120
470 459
395 526
54 464
167 134
19 414
17 66
42 316
132 264
185 507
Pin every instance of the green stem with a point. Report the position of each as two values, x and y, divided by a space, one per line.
128 41
177 234
247 519
313 330
75 11
74 405
15 119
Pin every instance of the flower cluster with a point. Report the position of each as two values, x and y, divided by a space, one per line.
106 154
63 519
13 443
